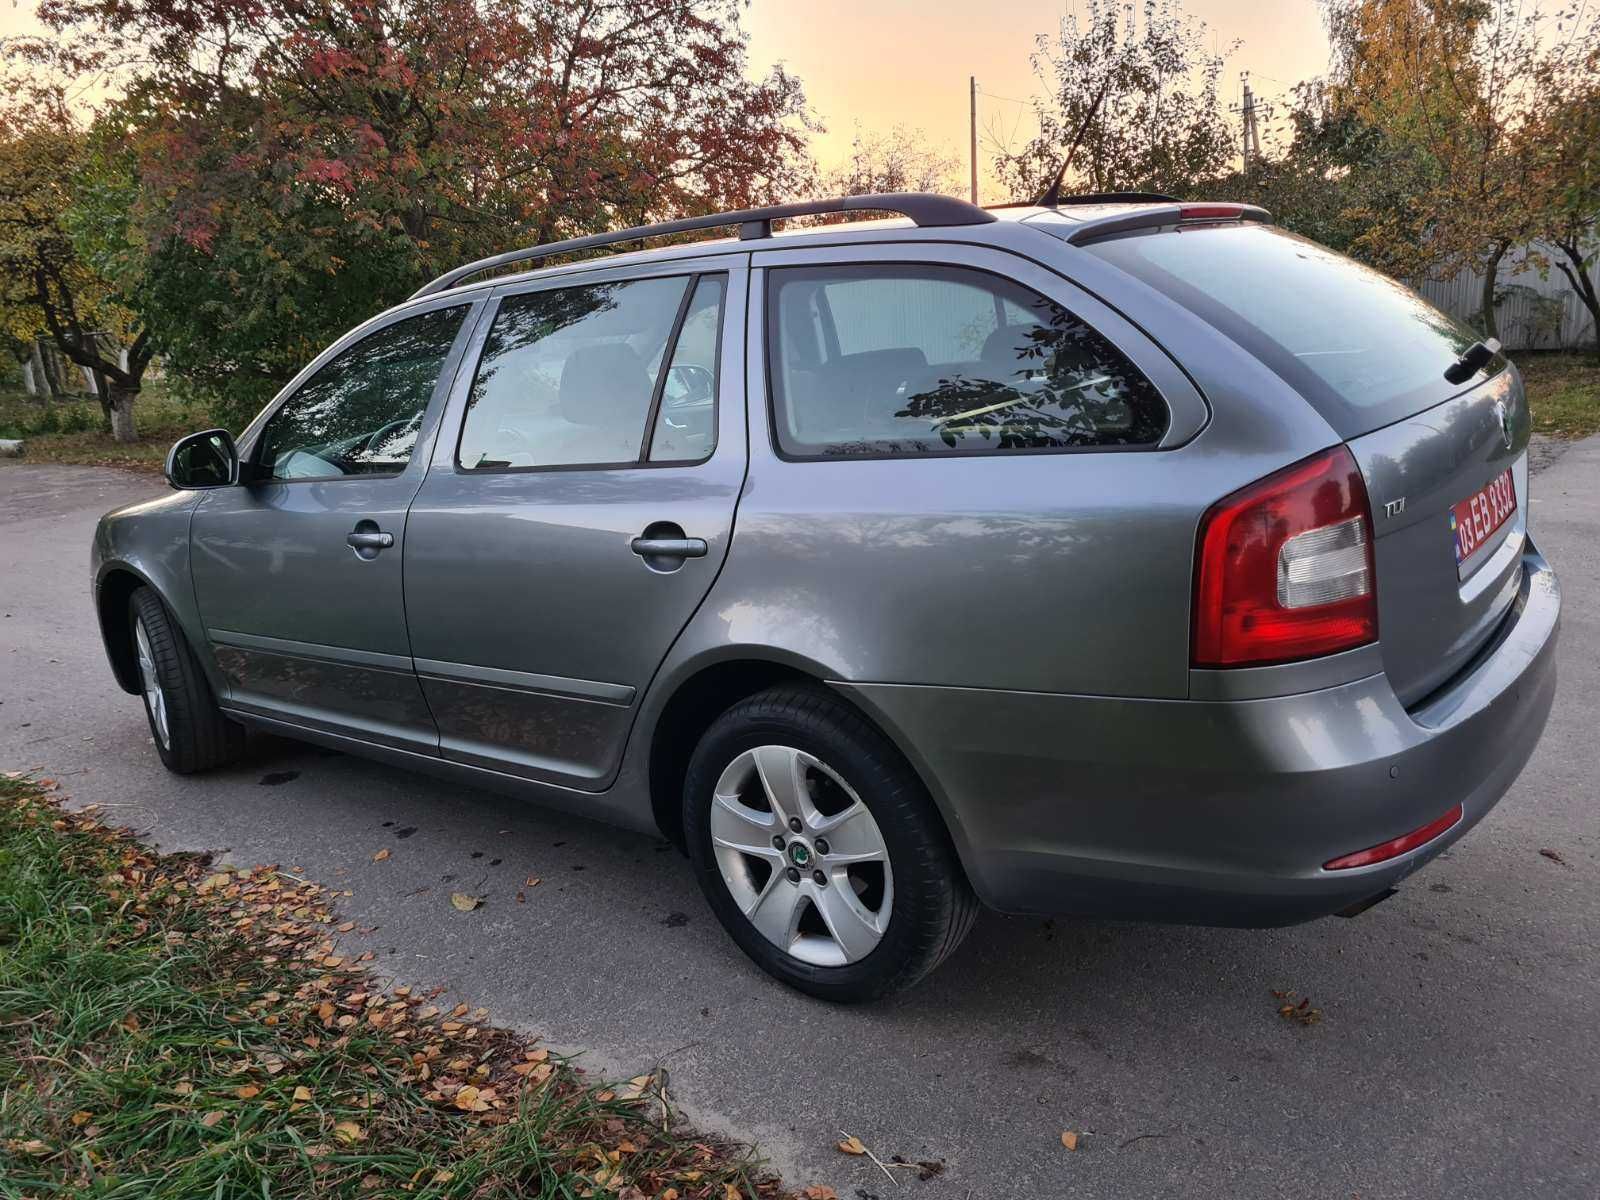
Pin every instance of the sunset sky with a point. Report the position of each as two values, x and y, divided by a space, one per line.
888 63
884 63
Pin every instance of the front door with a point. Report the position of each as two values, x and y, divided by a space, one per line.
578 507
297 571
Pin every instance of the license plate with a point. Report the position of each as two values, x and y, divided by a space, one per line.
1473 521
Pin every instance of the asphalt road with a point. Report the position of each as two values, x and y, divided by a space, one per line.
1458 1055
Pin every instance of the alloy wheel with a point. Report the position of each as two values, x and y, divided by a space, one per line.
801 855
154 697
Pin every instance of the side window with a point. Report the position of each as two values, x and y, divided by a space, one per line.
686 428
359 415
909 359
569 377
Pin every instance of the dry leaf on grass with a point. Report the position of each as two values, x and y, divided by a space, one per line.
464 902
211 1118
348 1132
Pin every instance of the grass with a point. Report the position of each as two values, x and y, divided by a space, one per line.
170 1029
1563 392
74 431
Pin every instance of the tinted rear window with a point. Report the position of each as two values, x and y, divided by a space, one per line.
1364 350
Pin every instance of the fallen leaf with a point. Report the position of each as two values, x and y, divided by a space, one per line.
852 1145
381 855
182 1088
1553 857
1069 1139
82 1117
464 902
211 1118
348 1132
820 1191
248 1092
302 1093
730 1191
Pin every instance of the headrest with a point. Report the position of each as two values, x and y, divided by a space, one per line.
604 384
896 358
1004 346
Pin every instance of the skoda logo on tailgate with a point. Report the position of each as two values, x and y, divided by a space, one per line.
1504 417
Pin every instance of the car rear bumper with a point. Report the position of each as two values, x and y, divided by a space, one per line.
1223 812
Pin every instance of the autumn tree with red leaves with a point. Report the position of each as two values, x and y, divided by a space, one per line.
277 170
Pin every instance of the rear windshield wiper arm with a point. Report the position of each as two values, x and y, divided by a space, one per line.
1472 360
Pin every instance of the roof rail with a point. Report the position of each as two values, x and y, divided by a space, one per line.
924 208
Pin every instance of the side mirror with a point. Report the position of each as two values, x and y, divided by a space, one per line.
203 460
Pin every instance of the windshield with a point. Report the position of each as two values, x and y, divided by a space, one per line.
1364 350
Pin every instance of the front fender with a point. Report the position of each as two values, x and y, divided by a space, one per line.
147 544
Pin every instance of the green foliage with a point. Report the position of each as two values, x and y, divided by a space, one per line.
276 172
162 1038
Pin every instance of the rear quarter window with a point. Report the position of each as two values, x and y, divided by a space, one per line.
1363 349
886 360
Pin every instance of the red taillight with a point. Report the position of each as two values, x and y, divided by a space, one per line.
1284 570
1395 847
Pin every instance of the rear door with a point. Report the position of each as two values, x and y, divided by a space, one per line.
578 507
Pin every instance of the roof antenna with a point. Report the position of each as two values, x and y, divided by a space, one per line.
1051 196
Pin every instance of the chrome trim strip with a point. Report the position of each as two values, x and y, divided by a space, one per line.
526 681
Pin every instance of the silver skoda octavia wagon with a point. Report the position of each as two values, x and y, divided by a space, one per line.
1123 557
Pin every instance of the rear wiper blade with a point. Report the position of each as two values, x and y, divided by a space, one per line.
1472 360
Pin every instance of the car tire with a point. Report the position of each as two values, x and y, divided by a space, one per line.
188 728
827 918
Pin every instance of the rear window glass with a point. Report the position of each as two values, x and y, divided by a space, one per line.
1363 349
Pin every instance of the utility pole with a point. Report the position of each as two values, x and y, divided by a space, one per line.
1248 111
972 131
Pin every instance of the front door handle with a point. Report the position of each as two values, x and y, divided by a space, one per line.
681 547
366 539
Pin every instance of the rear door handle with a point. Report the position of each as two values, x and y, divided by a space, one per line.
686 547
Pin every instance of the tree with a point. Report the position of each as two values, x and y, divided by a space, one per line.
48 287
1128 105
1565 139
900 161
1447 85
302 163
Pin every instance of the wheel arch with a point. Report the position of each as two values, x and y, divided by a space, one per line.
113 590
711 688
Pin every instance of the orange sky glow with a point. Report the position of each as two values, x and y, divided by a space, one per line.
888 63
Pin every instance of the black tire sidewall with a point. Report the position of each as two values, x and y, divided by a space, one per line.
144 607
925 875
200 736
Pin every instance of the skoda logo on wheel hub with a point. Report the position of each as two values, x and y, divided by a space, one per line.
799 854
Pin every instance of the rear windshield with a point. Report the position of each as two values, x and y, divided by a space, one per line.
1364 350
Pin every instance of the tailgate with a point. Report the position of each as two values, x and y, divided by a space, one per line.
1434 613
